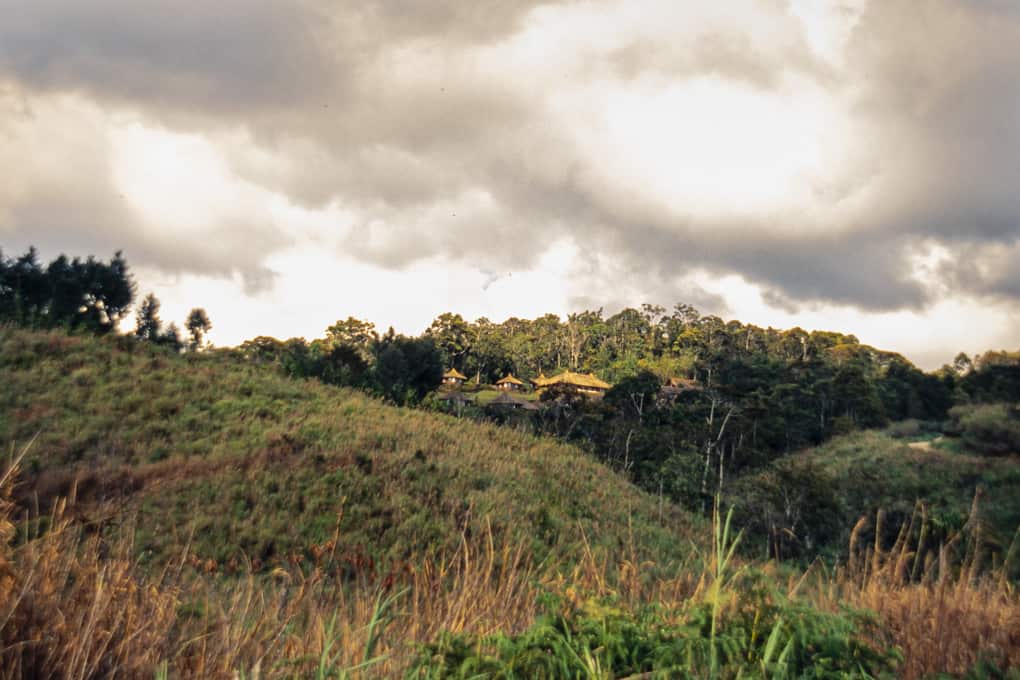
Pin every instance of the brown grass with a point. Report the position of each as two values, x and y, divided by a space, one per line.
941 606
70 607
77 605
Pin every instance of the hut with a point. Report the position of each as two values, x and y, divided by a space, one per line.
509 383
454 378
509 401
584 383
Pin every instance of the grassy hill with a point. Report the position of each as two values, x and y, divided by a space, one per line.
206 492
242 463
815 497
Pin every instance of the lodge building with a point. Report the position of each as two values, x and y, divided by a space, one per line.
584 383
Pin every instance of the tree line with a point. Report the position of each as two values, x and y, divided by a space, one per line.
87 295
750 395
398 368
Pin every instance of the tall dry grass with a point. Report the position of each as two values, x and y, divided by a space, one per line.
74 605
943 605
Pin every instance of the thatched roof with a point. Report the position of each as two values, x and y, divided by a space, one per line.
585 380
454 373
509 379
505 399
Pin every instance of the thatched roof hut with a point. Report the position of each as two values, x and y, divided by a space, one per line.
509 383
582 382
453 377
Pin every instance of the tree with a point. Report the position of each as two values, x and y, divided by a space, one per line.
148 325
25 290
406 369
198 325
353 333
262 349
71 294
452 336
171 339
340 364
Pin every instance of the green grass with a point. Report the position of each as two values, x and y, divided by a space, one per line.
860 473
240 463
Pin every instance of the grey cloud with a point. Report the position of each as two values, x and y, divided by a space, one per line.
225 56
247 61
56 221
382 108
991 269
950 92
73 206
729 54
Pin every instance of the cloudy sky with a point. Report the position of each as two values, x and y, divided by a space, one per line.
849 165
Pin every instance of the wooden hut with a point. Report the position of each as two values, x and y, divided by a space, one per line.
509 383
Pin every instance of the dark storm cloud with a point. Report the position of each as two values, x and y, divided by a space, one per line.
395 112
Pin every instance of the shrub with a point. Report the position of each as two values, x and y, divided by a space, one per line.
764 638
989 429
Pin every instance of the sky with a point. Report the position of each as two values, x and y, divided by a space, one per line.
847 165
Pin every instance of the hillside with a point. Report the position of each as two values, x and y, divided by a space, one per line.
227 521
246 464
813 498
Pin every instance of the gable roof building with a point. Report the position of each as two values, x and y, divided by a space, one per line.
509 382
453 377
585 383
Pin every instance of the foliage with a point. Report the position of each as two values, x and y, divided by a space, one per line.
406 369
735 627
598 640
259 466
75 294
148 325
804 504
198 325
988 429
410 544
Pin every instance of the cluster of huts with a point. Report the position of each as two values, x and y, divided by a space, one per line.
582 383
586 384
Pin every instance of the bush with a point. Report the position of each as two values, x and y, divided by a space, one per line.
767 636
905 429
988 429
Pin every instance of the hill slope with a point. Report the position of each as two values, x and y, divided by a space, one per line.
249 464
811 500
